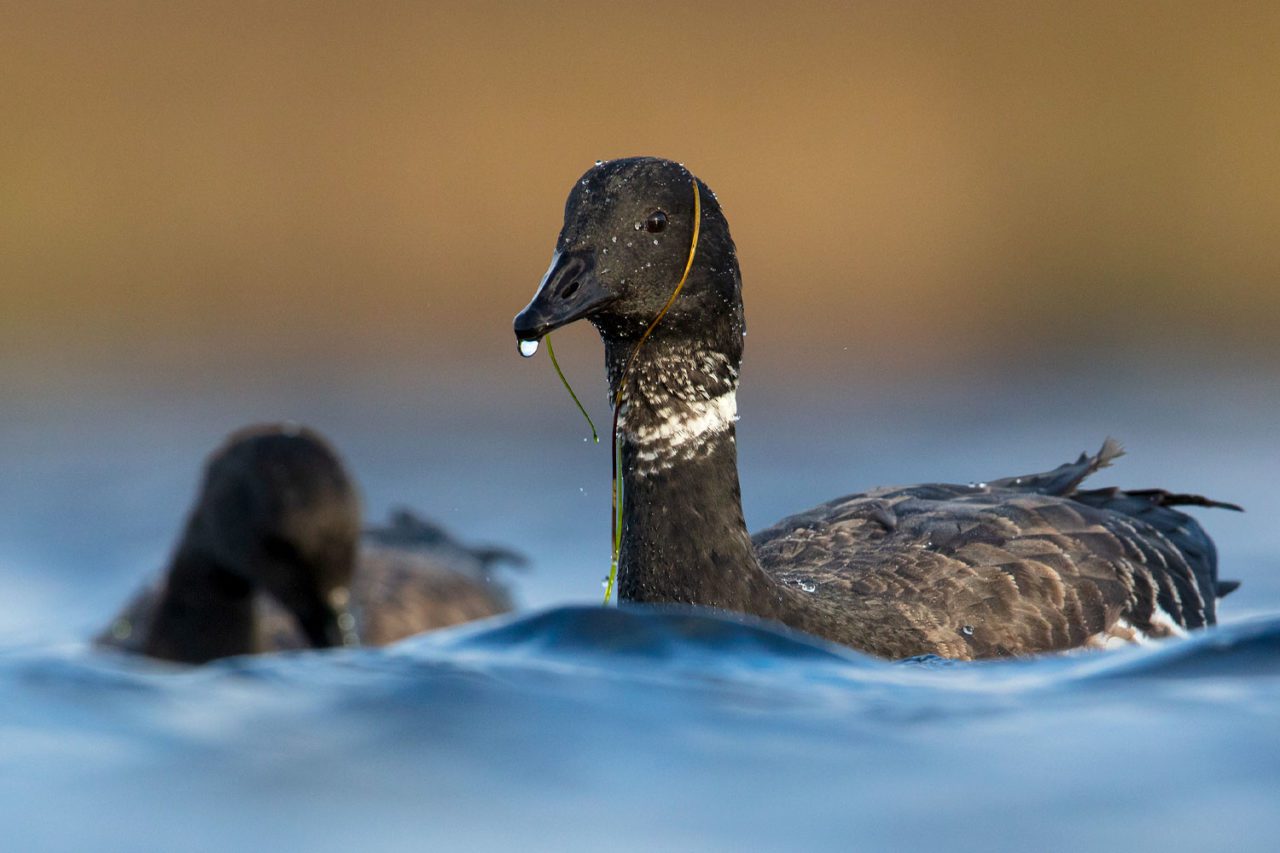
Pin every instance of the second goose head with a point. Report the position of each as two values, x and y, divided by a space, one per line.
276 512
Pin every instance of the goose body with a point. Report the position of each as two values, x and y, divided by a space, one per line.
1015 566
271 559
394 594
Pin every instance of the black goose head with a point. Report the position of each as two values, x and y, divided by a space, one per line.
277 512
628 226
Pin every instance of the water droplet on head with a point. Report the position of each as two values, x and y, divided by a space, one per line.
528 348
655 241
807 586
599 162
967 630
615 238
639 225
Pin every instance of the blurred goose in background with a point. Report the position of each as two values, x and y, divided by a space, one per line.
407 531
1014 566
270 559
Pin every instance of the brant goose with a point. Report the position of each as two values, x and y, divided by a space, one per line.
1014 566
270 559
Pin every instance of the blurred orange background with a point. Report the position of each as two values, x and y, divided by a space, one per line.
191 189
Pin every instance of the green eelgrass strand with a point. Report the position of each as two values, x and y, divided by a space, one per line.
617 449
552 353
617 512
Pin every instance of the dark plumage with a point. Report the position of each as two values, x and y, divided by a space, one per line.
270 560
408 531
1015 566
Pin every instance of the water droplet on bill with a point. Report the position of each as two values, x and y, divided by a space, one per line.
528 348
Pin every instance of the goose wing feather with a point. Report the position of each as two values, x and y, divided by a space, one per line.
1015 566
408 530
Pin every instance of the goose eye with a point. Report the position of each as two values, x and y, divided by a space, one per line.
656 222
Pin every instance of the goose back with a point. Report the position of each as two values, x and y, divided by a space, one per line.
1014 566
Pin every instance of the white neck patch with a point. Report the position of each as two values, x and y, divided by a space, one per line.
682 422
682 432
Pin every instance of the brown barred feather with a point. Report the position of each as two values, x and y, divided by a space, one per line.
1016 566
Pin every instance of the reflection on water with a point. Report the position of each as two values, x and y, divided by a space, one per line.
618 729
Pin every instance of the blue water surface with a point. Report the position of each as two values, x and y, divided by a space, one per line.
572 727
637 728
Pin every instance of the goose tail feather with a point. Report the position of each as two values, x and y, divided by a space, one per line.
1064 479
1154 507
